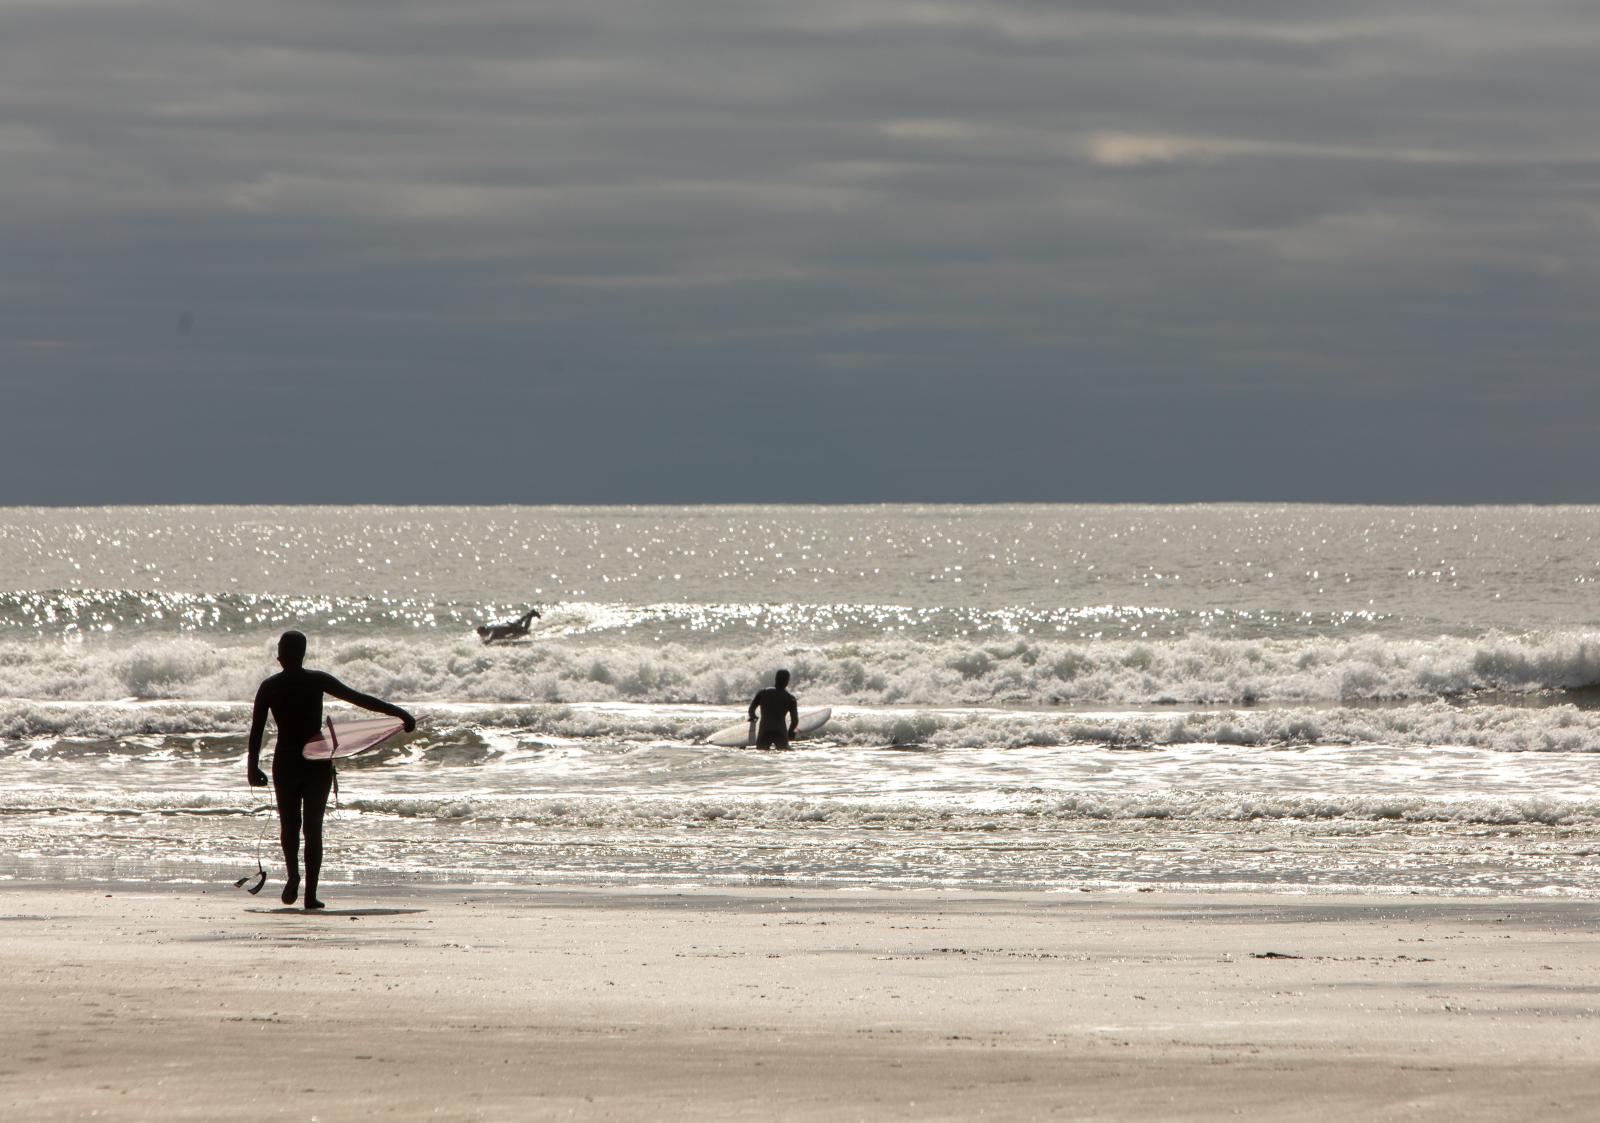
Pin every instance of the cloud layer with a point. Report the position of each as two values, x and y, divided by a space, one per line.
716 250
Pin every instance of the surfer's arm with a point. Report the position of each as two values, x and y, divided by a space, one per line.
794 717
754 702
344 693
258 728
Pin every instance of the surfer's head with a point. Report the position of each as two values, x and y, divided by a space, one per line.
781 679
292 649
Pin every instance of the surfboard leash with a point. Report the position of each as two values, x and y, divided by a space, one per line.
254 883
333 762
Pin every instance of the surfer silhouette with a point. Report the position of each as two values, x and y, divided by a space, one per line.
508 629
294 698
774 705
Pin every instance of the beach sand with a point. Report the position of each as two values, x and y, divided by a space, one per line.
147 1002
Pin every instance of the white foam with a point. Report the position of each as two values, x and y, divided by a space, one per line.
500 728
944 673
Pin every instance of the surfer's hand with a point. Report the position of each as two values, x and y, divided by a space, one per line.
411 723
258 778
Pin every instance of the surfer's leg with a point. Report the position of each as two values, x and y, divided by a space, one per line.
317 786
288 792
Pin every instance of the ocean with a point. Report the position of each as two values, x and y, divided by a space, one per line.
1031 697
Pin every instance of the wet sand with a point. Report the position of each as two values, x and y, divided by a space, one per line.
144 1002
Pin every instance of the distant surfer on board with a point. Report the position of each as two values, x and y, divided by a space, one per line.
294 698
508 629
777 712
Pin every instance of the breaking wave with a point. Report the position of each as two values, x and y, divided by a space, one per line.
596 667
475 735
1026 814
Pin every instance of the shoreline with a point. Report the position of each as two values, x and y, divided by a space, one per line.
139 1001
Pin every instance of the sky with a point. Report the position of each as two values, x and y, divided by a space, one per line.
681 251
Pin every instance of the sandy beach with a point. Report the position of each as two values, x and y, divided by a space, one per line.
144 1002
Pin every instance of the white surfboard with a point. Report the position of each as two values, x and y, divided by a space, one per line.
347 738
742 736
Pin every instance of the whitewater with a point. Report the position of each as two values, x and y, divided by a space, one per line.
1039 697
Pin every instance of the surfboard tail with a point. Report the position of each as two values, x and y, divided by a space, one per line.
743 735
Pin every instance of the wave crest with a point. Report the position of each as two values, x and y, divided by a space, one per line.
888 671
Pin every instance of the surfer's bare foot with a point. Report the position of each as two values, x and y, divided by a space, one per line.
291 890
313 903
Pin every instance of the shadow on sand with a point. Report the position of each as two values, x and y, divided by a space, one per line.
291 910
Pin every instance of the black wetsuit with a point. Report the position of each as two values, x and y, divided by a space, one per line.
775 705
509 629
294 698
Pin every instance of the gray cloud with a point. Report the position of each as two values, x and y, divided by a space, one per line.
703 250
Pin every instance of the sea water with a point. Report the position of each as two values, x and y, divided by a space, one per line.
1029 697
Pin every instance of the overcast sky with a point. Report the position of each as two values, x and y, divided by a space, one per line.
832 250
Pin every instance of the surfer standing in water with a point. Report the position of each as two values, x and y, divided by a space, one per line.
774 705
294 697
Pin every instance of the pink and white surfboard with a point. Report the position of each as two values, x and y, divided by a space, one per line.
347 738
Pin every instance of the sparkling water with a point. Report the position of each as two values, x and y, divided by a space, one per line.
1054 697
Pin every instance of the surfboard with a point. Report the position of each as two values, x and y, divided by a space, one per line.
347 738
742 736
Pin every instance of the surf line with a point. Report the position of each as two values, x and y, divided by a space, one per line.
333 763
253 883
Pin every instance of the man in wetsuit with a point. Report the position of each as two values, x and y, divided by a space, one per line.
509 629
294 697
774 705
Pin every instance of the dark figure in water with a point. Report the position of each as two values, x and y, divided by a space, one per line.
294 697
774 705
508 629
